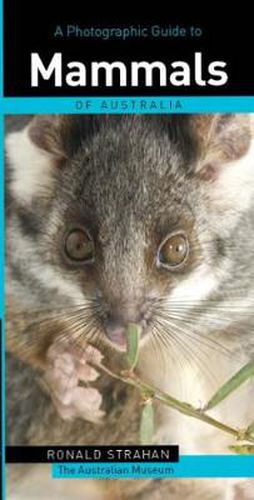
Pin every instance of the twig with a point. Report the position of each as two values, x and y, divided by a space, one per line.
130 378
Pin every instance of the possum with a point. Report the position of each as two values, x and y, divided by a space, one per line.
124 219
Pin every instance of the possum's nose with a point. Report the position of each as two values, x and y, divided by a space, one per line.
116 326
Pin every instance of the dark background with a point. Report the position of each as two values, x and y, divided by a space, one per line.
39 454
29 27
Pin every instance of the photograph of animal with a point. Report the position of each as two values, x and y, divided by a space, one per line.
119 219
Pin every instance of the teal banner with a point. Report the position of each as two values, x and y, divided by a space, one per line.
195 466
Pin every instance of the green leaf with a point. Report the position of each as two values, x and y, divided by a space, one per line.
244 449
133 336
147 423
250 429
231 385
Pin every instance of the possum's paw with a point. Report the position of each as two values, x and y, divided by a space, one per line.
67 366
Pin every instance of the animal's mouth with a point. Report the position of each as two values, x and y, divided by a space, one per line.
117 338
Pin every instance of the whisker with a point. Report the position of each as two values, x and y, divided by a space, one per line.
187 352
205 340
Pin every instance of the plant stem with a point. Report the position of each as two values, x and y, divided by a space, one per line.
184 408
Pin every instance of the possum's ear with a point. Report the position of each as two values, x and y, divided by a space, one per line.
226 164
221 139
48 132
34 153
59 135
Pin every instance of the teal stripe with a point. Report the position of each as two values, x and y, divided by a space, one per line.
196 466
129 105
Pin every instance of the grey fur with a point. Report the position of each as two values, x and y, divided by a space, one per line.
131 181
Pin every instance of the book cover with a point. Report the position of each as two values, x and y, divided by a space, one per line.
127 230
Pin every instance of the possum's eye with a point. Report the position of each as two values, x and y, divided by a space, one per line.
173 251
79 246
